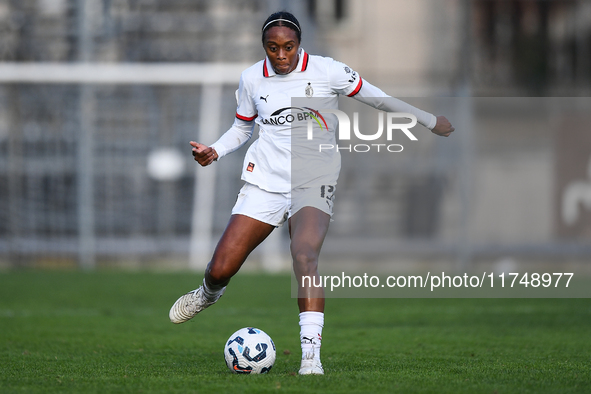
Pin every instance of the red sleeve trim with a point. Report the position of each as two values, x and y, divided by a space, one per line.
357 89
305 62
246 119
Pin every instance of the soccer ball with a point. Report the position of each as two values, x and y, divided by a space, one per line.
249 350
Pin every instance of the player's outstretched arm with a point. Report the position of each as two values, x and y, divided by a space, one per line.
375 97
443 127
204 155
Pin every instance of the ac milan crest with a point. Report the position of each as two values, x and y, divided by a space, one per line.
309 90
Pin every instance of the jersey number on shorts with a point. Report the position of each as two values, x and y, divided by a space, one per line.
327 191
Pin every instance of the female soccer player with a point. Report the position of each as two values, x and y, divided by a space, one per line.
268 198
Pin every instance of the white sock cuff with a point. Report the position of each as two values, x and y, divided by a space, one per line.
212 293
316 318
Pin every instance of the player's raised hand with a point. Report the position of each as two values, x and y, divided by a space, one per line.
443 127
204 155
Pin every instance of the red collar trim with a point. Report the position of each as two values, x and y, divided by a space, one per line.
305 61
265 70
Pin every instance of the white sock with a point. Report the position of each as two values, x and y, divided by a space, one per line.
212 292
311 324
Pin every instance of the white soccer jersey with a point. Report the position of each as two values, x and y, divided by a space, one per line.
267 99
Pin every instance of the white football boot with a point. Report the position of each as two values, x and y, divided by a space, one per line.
186 307
311 365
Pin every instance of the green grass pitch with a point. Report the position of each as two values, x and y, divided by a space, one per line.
108 332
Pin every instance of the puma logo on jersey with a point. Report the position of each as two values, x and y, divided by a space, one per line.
264 98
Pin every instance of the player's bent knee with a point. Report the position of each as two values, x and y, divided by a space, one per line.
305 262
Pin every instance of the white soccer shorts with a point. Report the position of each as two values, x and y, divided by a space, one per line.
276 208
